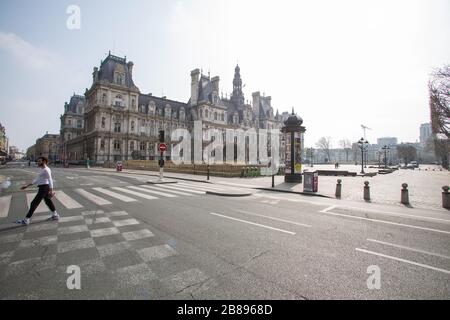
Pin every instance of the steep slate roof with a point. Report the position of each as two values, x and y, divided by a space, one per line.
107 67
144 100
74 101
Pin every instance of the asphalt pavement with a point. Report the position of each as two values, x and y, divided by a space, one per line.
134 240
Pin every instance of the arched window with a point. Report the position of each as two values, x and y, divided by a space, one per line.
206 113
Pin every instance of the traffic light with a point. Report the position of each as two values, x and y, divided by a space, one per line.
161 136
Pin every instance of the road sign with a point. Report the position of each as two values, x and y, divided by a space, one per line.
162 147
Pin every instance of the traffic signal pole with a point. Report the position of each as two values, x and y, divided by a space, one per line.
161 166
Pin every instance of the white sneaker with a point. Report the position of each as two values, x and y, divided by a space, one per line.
24 221
55 216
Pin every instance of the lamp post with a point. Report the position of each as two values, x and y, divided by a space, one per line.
312 157
363 145
385 148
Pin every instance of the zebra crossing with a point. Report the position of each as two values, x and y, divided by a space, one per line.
104 196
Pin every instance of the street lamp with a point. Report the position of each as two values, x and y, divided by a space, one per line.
385 148
312 157
363 144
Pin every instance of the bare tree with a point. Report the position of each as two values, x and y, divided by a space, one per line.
406 152
347 146
441 148
324 144
439 88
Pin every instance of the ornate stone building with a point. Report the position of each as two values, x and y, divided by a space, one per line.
72 123
3 144
121 123
48 146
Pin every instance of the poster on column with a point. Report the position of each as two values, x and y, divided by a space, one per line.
288 152
297 153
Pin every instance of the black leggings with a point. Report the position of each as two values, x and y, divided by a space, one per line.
42 194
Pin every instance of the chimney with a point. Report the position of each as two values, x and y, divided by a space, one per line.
256 102
130 65
215 84
194 86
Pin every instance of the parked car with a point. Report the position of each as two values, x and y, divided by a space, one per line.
415 164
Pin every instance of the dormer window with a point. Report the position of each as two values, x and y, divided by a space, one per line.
119 78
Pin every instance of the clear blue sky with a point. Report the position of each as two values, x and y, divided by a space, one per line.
340 64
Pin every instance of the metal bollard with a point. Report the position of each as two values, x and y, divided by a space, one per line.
366 191
405 194
445 197
207 172
338 188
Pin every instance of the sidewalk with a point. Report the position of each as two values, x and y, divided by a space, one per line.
425 187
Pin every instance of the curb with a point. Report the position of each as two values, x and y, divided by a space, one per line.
228 194
296 192
161 182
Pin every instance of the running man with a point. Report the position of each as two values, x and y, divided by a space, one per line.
44 182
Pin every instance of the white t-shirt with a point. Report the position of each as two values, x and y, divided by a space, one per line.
44 176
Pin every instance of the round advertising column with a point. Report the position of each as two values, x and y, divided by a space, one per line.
293 137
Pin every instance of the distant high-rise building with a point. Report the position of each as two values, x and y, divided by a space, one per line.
387 141
425 132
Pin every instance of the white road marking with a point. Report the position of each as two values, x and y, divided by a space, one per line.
409 248
114 194
135 235
97 200
126 222
328 209
67 201
252 223
41 207
138 194
181 189
386 222
400 214
273 218
404 260
104 232
156 252
166 190
153 191
5 203
357 208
